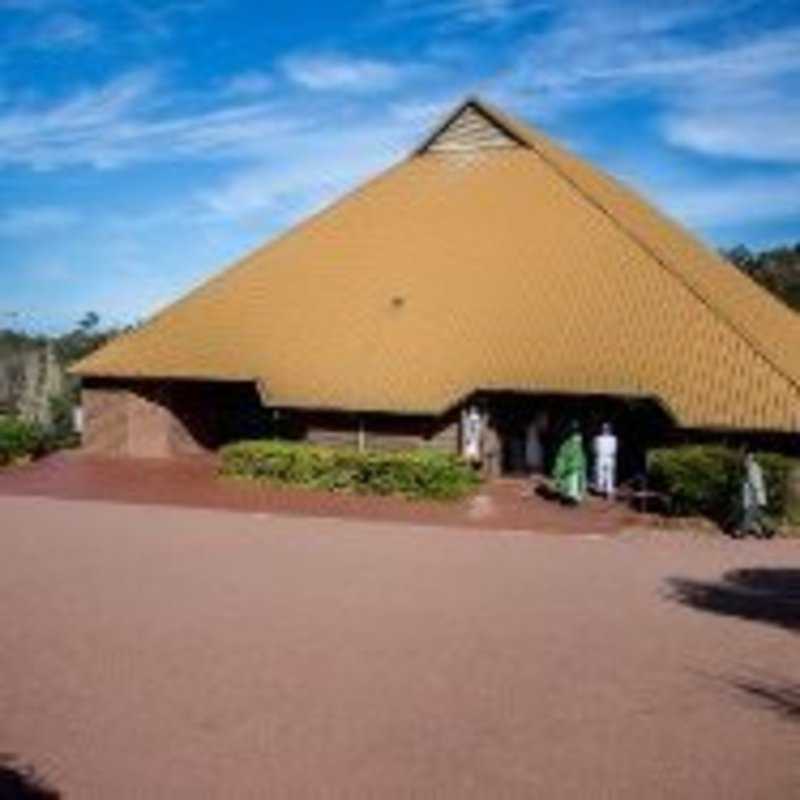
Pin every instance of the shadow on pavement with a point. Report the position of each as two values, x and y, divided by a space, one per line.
782 697
769 595
21 782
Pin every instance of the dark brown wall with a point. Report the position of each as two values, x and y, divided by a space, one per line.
159 419
163 419
381 431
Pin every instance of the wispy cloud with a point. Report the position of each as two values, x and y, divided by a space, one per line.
249 83
127 121
590 49
308 172
732 95
339 71
757 129
158 20
465 12
64 30
746 105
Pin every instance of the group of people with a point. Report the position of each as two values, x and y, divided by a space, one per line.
571 467
570 475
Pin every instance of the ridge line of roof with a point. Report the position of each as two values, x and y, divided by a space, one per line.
530 138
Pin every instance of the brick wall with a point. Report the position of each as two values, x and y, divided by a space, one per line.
381 432
157 419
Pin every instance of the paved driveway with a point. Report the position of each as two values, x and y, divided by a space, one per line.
150 652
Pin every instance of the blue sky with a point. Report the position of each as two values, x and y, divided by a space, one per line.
145 145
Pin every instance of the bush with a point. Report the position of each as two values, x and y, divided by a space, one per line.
778 470
706 480
19 439
61 433
415 474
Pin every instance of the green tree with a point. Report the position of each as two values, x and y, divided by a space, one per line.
777 270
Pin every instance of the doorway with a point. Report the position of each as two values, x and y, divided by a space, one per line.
530 427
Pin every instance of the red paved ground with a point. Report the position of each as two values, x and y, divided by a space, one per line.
152 652
194 483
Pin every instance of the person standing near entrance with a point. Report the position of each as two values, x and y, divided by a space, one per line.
605 447
472 436
492 449
569 471
754 498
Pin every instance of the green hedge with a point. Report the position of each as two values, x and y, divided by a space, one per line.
416 474
706 480
19 439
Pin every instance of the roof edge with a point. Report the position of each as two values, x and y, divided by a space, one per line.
532 138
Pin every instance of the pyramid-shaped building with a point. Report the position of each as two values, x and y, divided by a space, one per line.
491 263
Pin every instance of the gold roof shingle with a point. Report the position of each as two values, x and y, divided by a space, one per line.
514 265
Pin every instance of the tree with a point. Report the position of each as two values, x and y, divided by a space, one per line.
89 322
777 270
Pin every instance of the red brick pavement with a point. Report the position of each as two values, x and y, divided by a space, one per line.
155 652
505 504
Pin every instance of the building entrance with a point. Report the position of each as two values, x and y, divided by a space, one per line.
531 427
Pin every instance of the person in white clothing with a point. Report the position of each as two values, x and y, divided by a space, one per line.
472 436
754 500
605 447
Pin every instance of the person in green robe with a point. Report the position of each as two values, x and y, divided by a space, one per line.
569 470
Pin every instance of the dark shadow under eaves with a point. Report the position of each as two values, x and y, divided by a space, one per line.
781 697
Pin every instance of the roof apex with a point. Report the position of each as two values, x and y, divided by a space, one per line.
504 124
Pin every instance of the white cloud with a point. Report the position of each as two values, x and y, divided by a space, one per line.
64 31
126 121
250 83
36 221
425 113
159 20
463 11
736 95
746 106
307 173
750 131
591 49
337 71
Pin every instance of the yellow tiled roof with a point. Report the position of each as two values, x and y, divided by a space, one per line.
513 266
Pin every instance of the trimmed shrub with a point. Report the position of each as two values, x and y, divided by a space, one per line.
414 474
19 439
700 479
778 473
706 480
